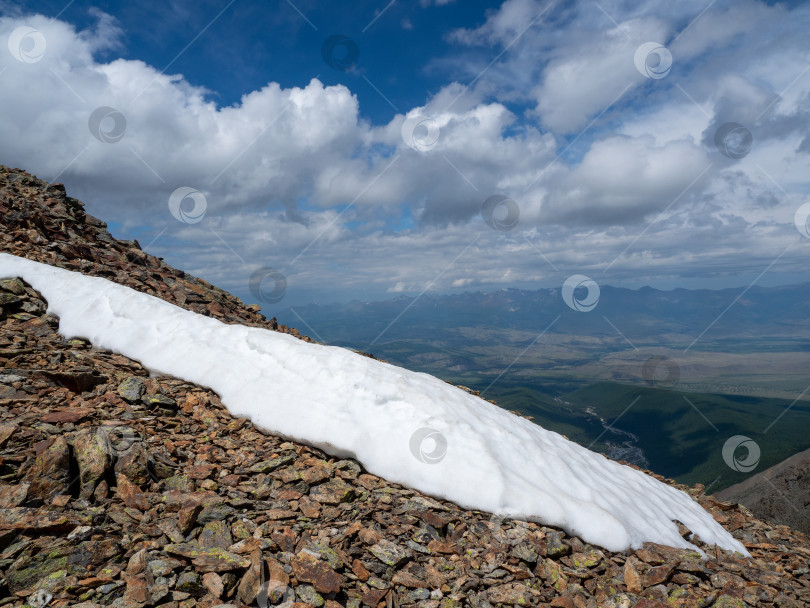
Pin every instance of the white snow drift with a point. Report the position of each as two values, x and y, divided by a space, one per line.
407 427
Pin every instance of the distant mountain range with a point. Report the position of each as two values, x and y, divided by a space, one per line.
645 314
749 341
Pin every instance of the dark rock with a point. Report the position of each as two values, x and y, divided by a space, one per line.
132 389
216 534
332 492
391 554
92 452
526 552
49 474
555 547
161 402
134 463
189 582
308 595
211 559
13 496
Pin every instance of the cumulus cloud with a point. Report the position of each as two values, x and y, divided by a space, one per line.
608 169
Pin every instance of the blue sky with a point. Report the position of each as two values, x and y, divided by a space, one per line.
252 43
596 122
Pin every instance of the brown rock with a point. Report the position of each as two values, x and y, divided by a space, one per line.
49 474
656 555
134 463
246 546
6 431
373 597
61 416
369 536
200 471
407 579
251 581
440 546
213 582
657 575
216 534
137 563
309 508
360 570
60 500
137 593
437 520
278 514
308 568
285 539
435 579
332 492
187 517
632 578
37 520
131 494
275 571
316 474
514 594
13 496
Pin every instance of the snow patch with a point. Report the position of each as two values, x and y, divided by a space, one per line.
473 453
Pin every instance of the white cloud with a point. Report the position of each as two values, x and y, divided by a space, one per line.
294 178
621 179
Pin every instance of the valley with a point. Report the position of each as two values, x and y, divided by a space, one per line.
629 379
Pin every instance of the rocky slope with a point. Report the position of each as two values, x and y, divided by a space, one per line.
40 222
779 494
125 490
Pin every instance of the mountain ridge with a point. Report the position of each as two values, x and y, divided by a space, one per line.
647 309
780 494
555 290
